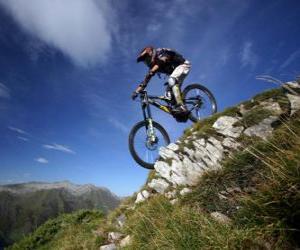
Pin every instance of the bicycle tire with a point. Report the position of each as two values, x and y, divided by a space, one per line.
132 135
207 93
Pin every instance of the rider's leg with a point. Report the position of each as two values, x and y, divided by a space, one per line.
175 81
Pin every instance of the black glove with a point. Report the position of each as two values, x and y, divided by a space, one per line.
134 95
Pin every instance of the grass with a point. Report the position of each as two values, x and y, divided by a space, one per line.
68 231
266 218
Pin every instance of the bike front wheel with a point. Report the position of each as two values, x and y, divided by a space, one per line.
144 148
199 101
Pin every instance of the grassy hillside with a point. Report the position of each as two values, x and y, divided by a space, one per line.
257 192
23 213
258 189
68 231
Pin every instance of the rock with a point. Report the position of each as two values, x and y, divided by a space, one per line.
249 189
121 220
142 196
114 236
263 129
189 165
242 109
163 168
224 126
167 153
174 201
231 190
230 143
126 241
185 191
109 247
173 146
159 185
222 196
221 218
295 102
272 106
171 194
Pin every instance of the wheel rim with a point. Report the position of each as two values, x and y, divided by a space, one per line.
147 149
199 103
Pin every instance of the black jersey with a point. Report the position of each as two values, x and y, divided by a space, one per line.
167 60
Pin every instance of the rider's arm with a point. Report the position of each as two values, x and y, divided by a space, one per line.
148 77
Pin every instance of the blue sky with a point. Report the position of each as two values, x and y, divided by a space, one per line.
67 70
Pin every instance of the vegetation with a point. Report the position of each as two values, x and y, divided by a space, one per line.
79 230
23 213
258 188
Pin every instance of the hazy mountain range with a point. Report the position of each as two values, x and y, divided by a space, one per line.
25 206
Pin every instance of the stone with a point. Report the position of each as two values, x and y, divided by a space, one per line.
173 146
230 143
185 191
224 126
222 196
114 236
249 189
221 218
188 165
109 247
174 201
272 106
121 220
171 194
142 196
167 153
295 102
126 241
233 190
263 129
163 168
159 185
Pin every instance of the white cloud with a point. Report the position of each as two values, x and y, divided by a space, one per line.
78 28
292 57
118 125
41 160
4 91
23 138
248 57
18 130
58 147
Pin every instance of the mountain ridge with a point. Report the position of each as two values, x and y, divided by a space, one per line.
76 189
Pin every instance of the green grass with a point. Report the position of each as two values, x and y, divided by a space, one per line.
267 218
68 231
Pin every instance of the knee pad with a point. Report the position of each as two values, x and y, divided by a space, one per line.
172 81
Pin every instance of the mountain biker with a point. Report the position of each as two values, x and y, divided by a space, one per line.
169 62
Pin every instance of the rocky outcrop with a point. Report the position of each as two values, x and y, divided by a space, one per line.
182 163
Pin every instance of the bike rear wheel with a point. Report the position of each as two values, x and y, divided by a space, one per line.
199 101
143 150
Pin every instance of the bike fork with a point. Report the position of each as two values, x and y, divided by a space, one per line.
149 121
150 131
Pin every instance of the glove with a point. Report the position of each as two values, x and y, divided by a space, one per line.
134 95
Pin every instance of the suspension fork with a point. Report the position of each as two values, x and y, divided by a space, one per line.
148 118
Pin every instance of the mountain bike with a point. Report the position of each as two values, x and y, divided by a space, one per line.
147 136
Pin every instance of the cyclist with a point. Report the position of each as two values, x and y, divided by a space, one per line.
169 62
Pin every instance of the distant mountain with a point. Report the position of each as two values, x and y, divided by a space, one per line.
25 206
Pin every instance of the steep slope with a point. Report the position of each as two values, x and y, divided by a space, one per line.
231 182
23 207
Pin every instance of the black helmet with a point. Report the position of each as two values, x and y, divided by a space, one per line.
146 53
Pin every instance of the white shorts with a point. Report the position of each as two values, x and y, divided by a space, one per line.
181 71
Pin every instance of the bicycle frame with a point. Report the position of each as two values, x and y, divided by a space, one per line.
147 100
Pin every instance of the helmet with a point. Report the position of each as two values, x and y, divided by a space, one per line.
145 54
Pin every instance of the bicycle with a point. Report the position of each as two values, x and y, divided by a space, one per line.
150 135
